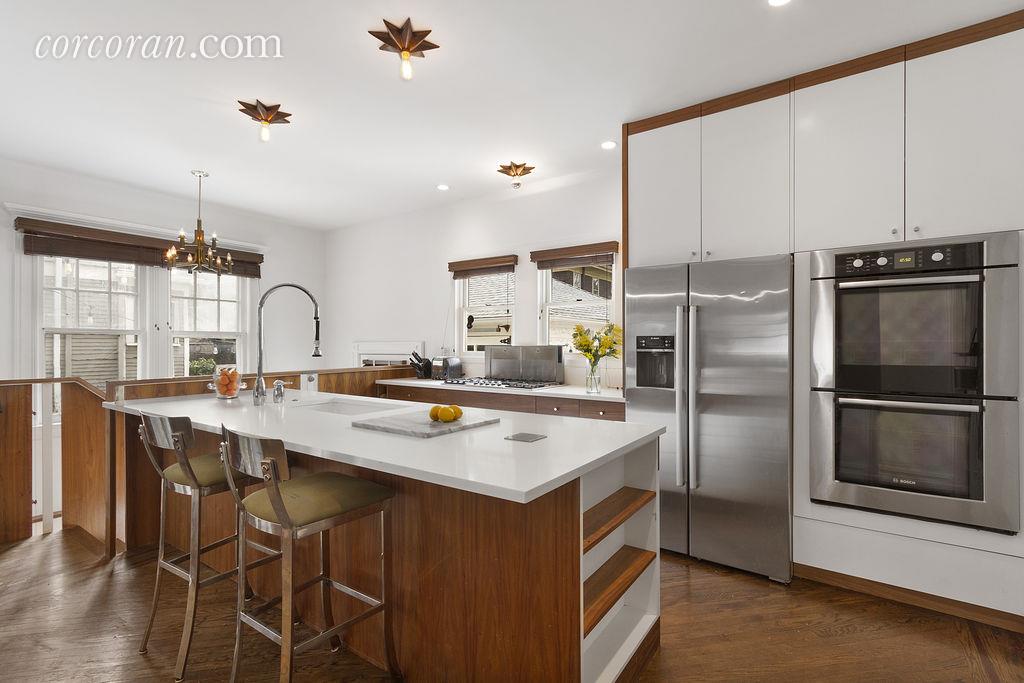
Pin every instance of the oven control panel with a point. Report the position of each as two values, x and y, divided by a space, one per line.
936 257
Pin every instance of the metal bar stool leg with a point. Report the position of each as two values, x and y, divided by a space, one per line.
193 586
243 592
325 587
159 569
387 591
287 606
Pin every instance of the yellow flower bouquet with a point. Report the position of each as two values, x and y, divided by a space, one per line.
605 343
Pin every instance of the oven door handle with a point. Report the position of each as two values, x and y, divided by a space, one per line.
910 281
919 405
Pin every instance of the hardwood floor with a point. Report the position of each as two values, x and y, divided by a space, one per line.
65 614
720 624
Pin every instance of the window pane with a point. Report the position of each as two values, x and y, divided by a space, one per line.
487 327
93 275
98 358
182 283
94 310
59 308
491 291
206 315
58 272
182 314
229 287
578 295
122 277
490 300
197 356
228 316
206 285
122 312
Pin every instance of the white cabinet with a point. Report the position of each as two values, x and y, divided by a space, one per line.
965 139
848 158
746 180
664 195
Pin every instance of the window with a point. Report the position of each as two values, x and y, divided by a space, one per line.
90 319
575 294
207 308
487 305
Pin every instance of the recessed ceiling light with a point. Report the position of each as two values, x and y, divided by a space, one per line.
778 3
443 188
609 144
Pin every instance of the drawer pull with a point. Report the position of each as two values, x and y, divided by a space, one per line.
555 409
600 412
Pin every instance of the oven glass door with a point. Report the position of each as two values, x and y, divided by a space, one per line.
922 446
910 335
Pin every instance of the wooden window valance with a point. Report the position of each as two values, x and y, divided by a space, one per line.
461 270
599 254
74 241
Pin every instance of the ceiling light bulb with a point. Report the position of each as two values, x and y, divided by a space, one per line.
264 131
778 3
516 184
406 66
443 187
609 144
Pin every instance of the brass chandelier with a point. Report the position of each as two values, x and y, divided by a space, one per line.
198 255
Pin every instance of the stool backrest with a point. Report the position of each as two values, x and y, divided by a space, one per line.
171 433
264 459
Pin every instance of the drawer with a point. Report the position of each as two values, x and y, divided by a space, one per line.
566 407
493 401
603 410
421 394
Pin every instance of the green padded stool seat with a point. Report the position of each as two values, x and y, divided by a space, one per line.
316 497
207 468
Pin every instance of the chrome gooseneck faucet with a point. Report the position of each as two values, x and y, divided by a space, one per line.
259 392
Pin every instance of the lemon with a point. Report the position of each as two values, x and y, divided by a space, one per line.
458 411
446 414
434 413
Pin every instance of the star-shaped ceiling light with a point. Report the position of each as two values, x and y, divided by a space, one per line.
515 172
405 42
264 115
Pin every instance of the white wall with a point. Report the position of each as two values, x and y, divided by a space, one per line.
389 278
292 253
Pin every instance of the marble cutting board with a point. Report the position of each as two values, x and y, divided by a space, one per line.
420 425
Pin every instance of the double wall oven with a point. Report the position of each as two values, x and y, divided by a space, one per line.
915 376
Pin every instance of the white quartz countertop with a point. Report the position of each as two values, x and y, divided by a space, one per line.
479 460
560 391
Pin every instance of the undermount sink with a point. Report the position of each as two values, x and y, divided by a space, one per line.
347 407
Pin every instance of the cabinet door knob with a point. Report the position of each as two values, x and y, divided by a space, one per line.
600 412
555 409
895 231
707 253
917 228
693 253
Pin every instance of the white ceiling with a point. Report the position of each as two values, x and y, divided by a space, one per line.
542 81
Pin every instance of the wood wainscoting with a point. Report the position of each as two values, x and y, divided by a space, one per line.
15 462
965 610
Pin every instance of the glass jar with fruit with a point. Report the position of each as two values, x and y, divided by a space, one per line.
226 382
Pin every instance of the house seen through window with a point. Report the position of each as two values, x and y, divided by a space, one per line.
488 301
576 294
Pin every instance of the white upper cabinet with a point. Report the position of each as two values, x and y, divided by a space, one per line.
965 139
664 195
848 156
745 183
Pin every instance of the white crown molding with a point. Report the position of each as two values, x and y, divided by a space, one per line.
24 211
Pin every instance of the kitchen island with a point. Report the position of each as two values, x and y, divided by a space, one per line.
513 561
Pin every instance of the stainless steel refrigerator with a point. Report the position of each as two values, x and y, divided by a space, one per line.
708 355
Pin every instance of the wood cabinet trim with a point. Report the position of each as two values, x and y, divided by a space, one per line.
850 67
611 513
936 603
745 97
966 35
921 48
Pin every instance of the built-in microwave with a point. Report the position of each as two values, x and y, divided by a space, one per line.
915 377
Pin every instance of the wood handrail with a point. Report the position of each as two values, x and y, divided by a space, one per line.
85 384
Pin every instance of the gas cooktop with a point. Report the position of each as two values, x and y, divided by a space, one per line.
501 383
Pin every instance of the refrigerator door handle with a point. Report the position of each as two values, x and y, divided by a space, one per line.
680 400
691 398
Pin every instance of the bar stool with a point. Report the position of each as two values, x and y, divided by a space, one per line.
292 509
198 478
